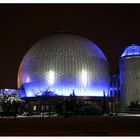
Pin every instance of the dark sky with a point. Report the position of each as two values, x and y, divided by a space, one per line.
111 27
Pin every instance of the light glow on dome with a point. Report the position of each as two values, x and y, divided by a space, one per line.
33 91
84 77
51 78
28 79
131 50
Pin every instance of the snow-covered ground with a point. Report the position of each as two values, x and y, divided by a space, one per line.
127 114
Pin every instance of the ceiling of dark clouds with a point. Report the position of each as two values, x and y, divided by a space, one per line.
111 27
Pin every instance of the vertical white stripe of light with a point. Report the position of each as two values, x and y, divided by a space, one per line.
84 77
51 78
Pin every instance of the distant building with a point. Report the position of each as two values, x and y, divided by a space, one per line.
10 91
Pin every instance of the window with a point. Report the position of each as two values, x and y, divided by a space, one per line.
34 108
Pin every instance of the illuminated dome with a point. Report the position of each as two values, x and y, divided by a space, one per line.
131 50
62 64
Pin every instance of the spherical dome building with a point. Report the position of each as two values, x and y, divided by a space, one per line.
62 64
130 75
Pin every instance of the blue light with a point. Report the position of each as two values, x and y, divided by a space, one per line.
34 89
9 91
131 50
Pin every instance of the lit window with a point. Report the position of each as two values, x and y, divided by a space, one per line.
34 107
42 107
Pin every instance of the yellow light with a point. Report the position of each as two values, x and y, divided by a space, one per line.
34 107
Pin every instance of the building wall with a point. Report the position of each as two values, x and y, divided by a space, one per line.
114 85
129 79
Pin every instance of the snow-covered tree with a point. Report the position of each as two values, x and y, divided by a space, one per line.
9 102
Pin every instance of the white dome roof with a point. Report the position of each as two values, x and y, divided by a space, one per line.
131 50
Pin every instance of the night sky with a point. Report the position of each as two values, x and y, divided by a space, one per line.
111 27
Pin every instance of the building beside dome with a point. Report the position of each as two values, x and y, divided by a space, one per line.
130 75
